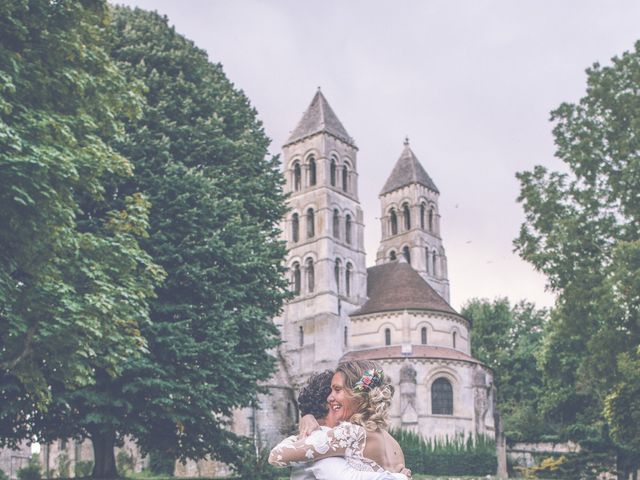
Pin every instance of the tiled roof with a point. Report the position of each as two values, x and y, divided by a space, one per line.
417 352
319 118
396 286
407 171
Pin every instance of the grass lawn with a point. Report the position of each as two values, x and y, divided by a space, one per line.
415 477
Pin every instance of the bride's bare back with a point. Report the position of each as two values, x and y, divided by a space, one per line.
383 449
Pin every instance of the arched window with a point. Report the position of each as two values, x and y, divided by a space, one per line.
311 229
312 172
310 275
423 212
336 274
427 260
434 257
295 227
387 336
347 278
431 219
454 336
345 336
441 397
393 218
332 172
423 336
297 177
296 278
406 213
392 255
345 178
407 254
336 223
347 229
301 336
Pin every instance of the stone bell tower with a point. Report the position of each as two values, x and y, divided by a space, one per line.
325 240
411 222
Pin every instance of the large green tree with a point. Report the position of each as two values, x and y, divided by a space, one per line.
507 338
582 231
200 155
69 287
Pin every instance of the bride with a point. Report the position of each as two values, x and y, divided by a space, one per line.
358 447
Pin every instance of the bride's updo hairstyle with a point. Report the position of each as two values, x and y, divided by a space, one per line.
366 382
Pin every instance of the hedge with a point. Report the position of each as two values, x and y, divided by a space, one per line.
448 456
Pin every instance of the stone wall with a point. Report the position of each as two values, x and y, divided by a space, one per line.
62 456
526 455
411 406
13 460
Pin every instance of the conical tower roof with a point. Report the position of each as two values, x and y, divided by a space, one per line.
319 118
407 171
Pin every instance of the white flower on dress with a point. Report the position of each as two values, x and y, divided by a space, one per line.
319 441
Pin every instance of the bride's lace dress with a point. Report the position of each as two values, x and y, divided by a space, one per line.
346 440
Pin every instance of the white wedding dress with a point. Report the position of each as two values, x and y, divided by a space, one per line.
337 454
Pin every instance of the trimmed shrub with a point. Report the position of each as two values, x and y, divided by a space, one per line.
448 456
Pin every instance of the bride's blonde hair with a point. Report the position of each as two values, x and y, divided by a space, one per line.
373 412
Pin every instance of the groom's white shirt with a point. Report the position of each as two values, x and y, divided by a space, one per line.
337 468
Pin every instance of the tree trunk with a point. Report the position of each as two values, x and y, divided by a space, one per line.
623 466
104 457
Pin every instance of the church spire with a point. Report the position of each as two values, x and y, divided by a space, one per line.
410 222
408 170
319 118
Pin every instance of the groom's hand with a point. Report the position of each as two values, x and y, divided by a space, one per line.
406 472
308 424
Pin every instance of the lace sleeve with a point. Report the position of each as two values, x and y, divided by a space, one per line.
345 440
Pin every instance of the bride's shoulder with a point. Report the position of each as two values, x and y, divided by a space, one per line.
351 430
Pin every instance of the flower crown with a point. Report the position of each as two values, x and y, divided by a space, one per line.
371 379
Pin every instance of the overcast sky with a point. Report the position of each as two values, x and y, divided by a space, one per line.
470 82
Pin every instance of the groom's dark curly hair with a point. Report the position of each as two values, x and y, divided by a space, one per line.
313 396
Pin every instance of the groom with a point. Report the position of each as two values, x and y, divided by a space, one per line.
312 400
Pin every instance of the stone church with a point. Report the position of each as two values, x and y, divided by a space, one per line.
396 312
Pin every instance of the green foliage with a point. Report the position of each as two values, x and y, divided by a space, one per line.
64 465
622 408
448 456
125 463
255 466
549 467
74 282
508 338
200 158
582 231
160 464
31 471
3 476
83 468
